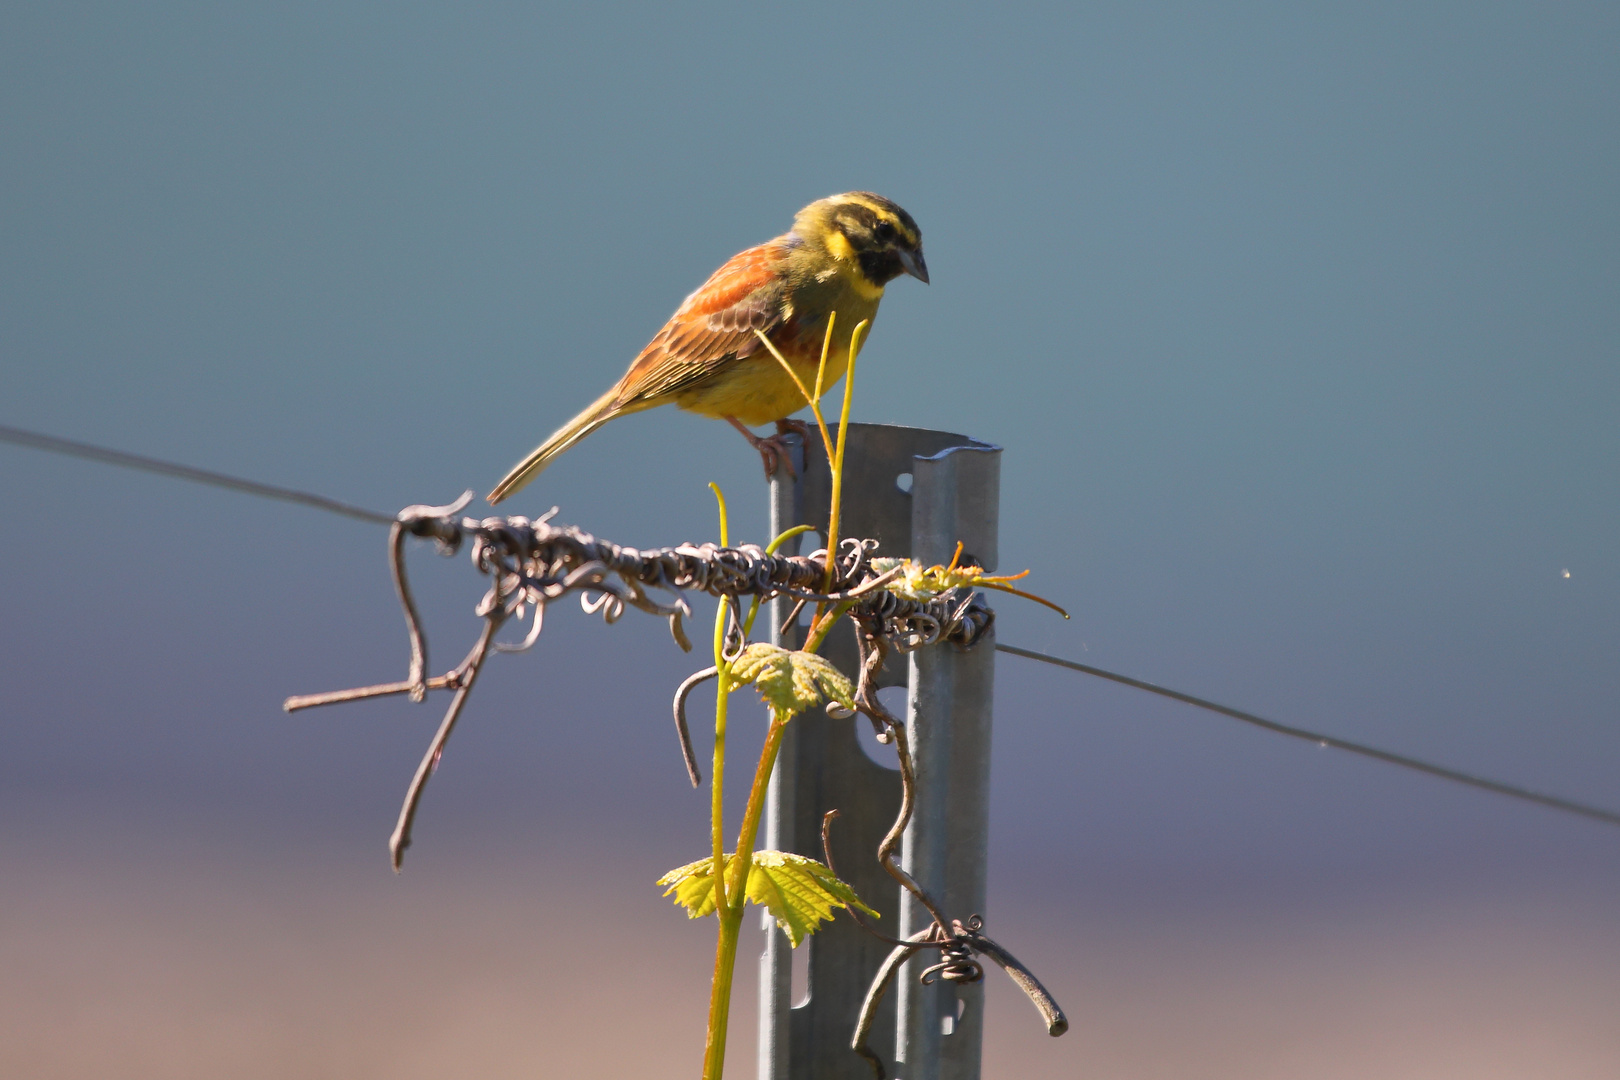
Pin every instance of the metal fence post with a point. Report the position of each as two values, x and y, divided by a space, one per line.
953 487
941 1026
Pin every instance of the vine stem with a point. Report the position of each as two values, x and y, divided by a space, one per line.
725 964
725 952
823 626
717 781
813 400
756 807
717 777
729 903
731 915
855 338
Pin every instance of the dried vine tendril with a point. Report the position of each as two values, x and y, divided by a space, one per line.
531 563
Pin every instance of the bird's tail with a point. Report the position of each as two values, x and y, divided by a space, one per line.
600 412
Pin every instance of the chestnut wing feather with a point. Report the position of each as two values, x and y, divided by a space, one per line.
713 327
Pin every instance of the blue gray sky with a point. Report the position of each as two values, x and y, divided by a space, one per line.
1299 327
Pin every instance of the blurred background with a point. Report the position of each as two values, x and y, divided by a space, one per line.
1298 324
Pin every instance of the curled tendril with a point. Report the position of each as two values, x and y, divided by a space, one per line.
535 562
960 943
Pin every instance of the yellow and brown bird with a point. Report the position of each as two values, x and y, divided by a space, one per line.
707 359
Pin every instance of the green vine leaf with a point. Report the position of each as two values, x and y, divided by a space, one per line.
923 583
693 886
791 682
799 892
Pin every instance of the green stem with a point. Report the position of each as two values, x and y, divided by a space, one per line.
756 807
725 955
717 778
823 626
770 549
731 915
725 964
729 907
813 401
837 464
717 784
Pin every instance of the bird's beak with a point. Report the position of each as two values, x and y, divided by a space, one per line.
913 262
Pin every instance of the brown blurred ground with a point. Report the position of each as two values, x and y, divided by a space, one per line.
209 961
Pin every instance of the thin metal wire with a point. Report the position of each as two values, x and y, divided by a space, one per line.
1595 813
52 445
535 562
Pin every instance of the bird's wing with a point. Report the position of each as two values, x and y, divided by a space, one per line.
713 327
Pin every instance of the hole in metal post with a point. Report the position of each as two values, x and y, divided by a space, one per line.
892 698
951 1021
799 980
903 482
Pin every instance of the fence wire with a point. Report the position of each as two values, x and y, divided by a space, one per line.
103 455
531 564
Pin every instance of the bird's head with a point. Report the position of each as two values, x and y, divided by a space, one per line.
875 234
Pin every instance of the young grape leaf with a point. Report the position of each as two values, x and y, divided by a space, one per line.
791 682
799 892
693 886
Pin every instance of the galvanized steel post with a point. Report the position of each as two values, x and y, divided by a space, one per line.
919 493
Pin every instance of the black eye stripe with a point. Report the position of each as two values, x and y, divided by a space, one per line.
866 226
865 211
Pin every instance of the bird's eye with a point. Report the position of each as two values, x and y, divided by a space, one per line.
884 231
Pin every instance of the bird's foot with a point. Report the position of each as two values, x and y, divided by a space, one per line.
797 427
774 452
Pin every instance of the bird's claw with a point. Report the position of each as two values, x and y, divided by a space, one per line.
774 451
797 427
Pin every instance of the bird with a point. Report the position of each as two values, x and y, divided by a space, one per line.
834 263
